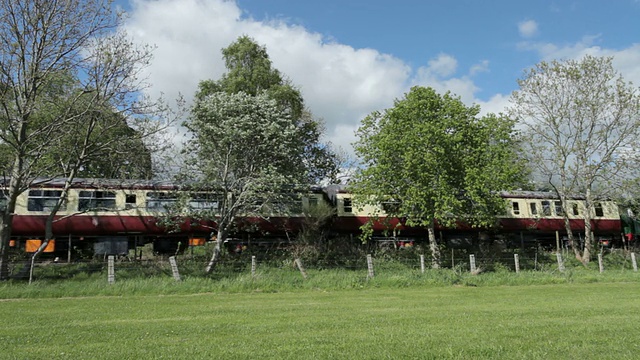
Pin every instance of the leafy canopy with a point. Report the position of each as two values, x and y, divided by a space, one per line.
98 140
433 157
250 72
252 139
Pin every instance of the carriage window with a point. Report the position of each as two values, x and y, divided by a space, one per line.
129 201
391 207
533 208
313 202
347 206
599 209
44 200
516 208
546 208
204 201
4 195
296 205
574 206
559 210
160 201
96 200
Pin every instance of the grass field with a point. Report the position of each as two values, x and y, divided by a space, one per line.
556 321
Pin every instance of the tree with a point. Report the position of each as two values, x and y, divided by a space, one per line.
102 144
61 62
582 122
99 144
250 71
433 157
254 144
111 149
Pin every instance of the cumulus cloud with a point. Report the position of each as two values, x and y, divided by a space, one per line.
443 65
528 28
340 84
625 60
497 104
481 67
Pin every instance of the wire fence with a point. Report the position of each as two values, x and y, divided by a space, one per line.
387 261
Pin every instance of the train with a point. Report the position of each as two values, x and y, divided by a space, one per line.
111 217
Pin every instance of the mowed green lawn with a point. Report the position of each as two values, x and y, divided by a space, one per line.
564 321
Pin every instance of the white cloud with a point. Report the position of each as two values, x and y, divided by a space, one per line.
464 87
340 84
483 66
528 28
625 60
496 104
444 65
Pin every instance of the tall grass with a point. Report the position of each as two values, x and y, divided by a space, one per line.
154 278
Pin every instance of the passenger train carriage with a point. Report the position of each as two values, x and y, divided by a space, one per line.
540 214
111 216
529 216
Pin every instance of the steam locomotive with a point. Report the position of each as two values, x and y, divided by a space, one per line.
104 217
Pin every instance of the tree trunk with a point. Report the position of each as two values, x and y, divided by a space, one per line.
588 234
5 236
567 227
7 217
572 241
48 235
435 249
215 257
48 232
34 256
588 243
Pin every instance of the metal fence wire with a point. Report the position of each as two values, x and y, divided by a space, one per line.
189 264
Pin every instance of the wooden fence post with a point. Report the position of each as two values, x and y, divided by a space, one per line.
369 266
174 268
422 263
560 262
600 264
69 250
633 262
253 266
472 263
111 274
516 259
301 268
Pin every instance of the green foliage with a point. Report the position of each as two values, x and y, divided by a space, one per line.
436 159
250 73
103 143
247 147
253 143
62 61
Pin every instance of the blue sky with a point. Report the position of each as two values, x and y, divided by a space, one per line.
353 57
471 31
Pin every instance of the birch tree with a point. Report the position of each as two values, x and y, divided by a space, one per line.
582 123
438 161
40 42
